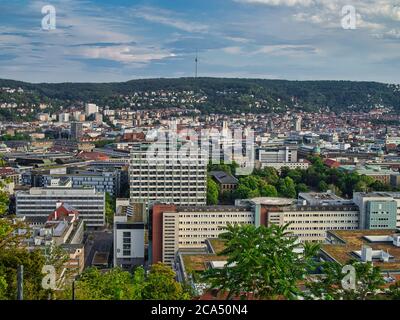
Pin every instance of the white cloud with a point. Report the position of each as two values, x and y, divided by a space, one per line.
125 54
289 3
287 49
168 18
232 50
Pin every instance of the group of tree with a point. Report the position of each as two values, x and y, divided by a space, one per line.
288 183
224 95
269 263
116 284
13 253
110 208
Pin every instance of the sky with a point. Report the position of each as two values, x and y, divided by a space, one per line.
108 41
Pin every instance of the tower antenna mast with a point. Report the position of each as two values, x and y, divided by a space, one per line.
196 60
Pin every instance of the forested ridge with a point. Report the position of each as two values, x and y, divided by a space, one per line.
222 95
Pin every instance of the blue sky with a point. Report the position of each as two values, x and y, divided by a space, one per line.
102 41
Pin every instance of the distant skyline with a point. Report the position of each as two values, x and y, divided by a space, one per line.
107 41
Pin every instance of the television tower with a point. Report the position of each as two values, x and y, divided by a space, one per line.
196 60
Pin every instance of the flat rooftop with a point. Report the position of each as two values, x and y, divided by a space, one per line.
319 196
218 208
270 201
347 242
201 261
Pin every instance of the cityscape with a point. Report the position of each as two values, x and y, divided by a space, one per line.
197 185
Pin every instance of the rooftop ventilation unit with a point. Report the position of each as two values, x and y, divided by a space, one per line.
396 240
366 254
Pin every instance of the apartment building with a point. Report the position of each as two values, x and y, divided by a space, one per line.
176 227
167 177
43 201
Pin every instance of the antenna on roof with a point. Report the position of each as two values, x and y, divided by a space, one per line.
196 60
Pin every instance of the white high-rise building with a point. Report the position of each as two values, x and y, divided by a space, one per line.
63 117
91 108
167 177
298 124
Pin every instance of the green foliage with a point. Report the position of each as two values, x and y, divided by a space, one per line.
269 174
102 143
4 202
3 287
33 263
394 291
110 208
228 168
13 254
116 284
287 188
223 95
212 192
369 281
160 284
261 261
301 187
17 136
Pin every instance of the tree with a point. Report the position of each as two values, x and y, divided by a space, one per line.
242 192
160 284
261 261
114 284
301 187
4 200
394 291
287 188
268 191
3 287
13 254
269 174
11 234
33 262
110 208
212 192
368 281
323 186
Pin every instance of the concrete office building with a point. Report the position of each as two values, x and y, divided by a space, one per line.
167 178
279 157
378 210
278 154
102 180
129 239
175 227
310 223
307 222
43 201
